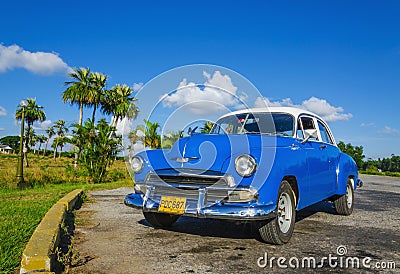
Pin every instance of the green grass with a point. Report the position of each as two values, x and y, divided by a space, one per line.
383 173
22 210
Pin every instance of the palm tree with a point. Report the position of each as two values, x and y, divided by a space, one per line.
171 137
41 139
207 127
96 90
54 145
33 112
60 129
135 136
78 90
119 103
50 133
151 138
61 141
31 137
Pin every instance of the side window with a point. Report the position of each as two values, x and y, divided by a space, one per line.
308 127
324 133
299 130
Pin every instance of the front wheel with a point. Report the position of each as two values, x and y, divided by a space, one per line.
344 203
279 230
160 219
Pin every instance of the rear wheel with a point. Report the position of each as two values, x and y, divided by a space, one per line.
344 203
160 219
279 230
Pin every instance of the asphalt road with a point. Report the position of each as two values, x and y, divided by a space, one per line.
113 238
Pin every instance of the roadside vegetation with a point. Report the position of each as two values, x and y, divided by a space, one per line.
22 210
384 167
92 161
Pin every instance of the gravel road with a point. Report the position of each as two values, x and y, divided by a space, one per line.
113 238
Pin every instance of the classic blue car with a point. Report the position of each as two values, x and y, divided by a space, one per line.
256 165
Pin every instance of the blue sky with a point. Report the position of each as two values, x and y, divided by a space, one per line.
343 56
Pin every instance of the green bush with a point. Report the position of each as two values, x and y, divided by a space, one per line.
97 146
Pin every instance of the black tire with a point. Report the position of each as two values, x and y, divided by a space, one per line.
160 219
344 203
279 230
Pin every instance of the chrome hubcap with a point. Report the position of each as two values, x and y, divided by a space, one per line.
284 212
349 196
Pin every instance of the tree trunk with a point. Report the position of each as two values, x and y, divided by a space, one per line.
76 160
26 147
40 145
59 155
80 113
45 148
26 159
94 113
76 156
55 153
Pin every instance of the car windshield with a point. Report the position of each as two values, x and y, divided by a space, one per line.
256 123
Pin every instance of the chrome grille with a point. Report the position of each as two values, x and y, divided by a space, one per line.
188 184
187 179
192 194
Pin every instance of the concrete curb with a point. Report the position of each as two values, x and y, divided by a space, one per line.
38 255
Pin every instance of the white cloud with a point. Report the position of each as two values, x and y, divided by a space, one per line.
138 147
3 111
1 129
389 131
41 125
137 86
263 102
217 92
39 62
220 81
123 126
367 124
316 105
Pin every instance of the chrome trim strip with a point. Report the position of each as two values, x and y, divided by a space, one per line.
191 186
149 190
200 201
190 175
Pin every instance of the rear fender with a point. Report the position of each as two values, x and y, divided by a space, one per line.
346 169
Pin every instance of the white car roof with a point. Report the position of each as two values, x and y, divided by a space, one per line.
291 110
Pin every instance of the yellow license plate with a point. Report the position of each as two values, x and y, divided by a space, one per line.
174 205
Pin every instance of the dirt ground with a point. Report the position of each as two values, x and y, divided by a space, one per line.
113 238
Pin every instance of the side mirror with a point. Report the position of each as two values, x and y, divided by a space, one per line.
310 133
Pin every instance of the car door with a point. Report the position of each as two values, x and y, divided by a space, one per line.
331 153
317 160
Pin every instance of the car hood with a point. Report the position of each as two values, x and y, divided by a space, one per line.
213 151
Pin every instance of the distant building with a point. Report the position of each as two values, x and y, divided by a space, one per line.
6 149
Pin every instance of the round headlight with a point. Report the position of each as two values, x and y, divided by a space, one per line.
245 165
137 164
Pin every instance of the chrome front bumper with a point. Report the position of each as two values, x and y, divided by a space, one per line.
228 211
